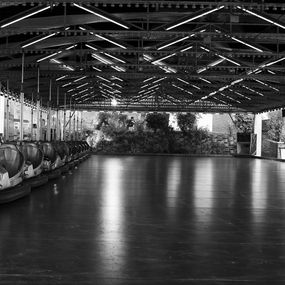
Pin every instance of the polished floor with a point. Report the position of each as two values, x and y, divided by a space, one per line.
150 220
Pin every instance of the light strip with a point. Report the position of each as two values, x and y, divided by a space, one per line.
48 56
103 60
232 61
68 48
182 89
261 17
240 94
80 86
95 68
158 80
263 83
186 49
103 78
38 40
64 85
242 42
271 71
174 42
108 40
114 57
195 86
149 79
195 17
59 78
183 81
80 78
26 16
91 47
101 16
115 77
163 58
208 81
252 90
273 62
230 98
56 61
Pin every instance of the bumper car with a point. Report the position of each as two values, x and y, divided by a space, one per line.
52 161
34 160
74 154
12 165
63 151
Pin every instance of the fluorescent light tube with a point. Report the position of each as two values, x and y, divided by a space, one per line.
195 17
95 68
59 78
48 56
174 42
261 17
26 16
91 47
186 49
103 78
38 40
101 16
251 46
114 57
163 58
80 78
111 41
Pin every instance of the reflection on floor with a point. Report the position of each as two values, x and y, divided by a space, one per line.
150 220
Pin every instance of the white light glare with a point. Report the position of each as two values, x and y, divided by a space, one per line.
114 102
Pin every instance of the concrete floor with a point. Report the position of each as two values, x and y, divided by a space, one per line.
150 220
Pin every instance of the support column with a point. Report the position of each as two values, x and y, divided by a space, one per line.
38 111
2 114
57 127
49 114
7 138
70 120
74 125
64 118
77 129
258 132
22 99
32 117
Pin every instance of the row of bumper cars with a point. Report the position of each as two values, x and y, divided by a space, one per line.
27 165
12 167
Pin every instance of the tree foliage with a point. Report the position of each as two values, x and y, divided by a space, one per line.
274 125
186 122
244 122
157 121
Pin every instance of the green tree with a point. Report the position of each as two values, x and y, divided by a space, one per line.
186 122
157 121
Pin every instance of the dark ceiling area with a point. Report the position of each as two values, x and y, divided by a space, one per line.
204 56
